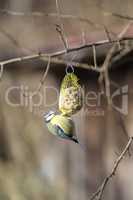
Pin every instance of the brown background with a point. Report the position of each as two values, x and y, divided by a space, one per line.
34 164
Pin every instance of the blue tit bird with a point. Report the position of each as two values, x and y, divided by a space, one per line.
61 126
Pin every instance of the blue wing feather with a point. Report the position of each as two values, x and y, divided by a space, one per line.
64 136
61 133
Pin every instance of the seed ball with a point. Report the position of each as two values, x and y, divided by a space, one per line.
70 100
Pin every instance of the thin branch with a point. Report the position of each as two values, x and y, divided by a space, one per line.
99 193
123 126
60 28
58 53
112 49
1 71
105 74
107 61
108 33
41 83
123 32
44 76
53 15
83 37
75 64
66 16
126 17
94 56
126 48
61 52
101 82
55 60
43 14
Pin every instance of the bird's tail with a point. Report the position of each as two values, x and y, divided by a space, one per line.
74 139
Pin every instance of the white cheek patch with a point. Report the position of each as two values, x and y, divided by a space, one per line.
49 117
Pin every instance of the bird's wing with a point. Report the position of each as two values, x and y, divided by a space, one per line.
60 133
65 124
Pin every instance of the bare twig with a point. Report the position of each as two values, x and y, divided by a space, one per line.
83 37
107 61
60 28
53 15
123 126
59 60
107 33
101 82
1 70
99 193
41 83
44 76
125 49
123 32
94 56
53 55
126 17
105 74
45 57
66 16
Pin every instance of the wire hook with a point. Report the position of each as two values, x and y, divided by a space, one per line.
69 69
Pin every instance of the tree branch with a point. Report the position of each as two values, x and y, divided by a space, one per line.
99 193
53 15
44 76
60 28
55 60
104 74
62 36
1 70
126 17
107 61
94 56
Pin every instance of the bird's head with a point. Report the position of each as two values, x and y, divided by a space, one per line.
48 116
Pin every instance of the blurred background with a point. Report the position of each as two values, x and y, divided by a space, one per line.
34 165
